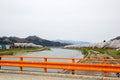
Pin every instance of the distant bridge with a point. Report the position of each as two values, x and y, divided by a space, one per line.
100 65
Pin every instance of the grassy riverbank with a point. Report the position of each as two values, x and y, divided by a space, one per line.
105 53
20 50
99 52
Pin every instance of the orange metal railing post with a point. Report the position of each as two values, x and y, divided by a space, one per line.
105 61
73 61
0 59
105 73
45 69
21 68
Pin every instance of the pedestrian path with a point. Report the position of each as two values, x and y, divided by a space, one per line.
16 75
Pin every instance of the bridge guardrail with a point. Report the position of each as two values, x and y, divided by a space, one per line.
107 65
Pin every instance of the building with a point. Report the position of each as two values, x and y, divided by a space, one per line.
0 47
5 46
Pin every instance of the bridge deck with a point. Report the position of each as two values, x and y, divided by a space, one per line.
17 75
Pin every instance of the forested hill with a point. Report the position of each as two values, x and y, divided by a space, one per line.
30 39
44 42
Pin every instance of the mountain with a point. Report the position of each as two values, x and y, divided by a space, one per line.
43 42
12 40
113 43
117 38
72 42
30 39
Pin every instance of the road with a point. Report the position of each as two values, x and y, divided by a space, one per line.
16 75
8 76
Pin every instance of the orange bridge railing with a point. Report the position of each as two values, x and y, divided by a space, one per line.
103 65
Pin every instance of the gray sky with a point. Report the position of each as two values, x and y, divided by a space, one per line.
85 20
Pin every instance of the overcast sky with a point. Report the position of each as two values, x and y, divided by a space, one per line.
84 20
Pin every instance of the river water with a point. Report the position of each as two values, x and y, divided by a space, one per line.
54 52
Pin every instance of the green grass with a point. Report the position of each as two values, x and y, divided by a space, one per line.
103 50
20 50
113 52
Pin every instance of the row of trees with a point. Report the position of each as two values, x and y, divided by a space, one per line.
26 45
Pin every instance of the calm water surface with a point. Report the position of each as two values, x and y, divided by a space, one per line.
54 52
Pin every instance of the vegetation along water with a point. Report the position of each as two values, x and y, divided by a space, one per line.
13 51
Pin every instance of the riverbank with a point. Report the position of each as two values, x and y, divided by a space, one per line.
20 50
99 53
105 53
95 53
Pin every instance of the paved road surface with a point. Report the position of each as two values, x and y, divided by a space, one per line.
8 76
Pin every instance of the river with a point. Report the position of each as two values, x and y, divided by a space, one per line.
54 52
